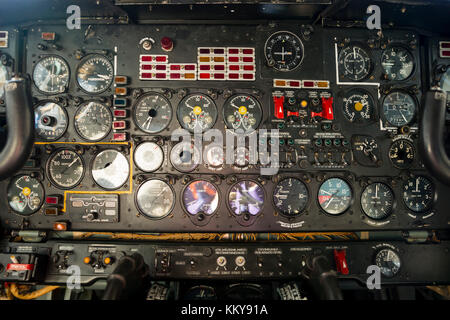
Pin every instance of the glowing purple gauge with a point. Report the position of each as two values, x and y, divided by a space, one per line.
200 196
246 197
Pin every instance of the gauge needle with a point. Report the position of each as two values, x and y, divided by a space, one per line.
376 191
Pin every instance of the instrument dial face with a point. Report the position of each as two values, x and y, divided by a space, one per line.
197 112
185 157
152 113
418 194
155 199
241 157
290 197
214 156
95 74
399 108
445 81
110 169
335 196
242 112
4 76
200 197
358 106
402 153
377 201
355 63
388 261
397 63
148 156
93 121
25 195
284 51
51 75
246 197
50 121
65 169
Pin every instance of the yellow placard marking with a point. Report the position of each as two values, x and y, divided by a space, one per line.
242 110
358 106
197 110
130 182
26 191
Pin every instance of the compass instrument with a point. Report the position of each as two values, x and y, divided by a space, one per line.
284 51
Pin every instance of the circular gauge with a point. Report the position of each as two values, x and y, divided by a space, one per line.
93 121
397 63
377 200
152 113
284 51
290 197
197 112
241 157
200 197
355 63
388 261
4 76
95 73
246 197
51 75
50 121
445 81
25 195
214 156
399 108
155 198
418 194
65 169
242 112
185 157
402 153
335 196
358 106
110 169
148 156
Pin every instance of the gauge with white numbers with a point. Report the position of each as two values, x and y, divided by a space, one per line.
335 196
290 197
358 106
51 75
399 108
93 121
197 112
214 156
4 76
95 73
246 197
388 261
152 113
284 51
377 201
25 195
148 156
65 168
241 157
110 169
50 121
418 194
185 157
242 112
354 63
402 153
155 198
200 197
397 63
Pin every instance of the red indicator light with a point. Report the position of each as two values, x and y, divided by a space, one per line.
161 58
248 76
120 136
247 59
146 67
308 84
446 53
48 36
204 75
166 44
175 76
233 59
445 45
189 67
161 76
119 125
160 67
51 200
278 107
204 50
248 68
219 51
233 51
146 75
175 67
120 113
204 67
247 51
233 76
60 226
146 58
294 84
219 76
233 67
219 67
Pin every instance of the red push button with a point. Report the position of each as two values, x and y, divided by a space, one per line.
279 107
341 261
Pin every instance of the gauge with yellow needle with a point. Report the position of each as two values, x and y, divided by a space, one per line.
197 112
25 195
358 106
243 112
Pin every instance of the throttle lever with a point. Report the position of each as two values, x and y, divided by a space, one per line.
431 142
20 122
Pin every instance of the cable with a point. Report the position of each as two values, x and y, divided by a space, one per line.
31 295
